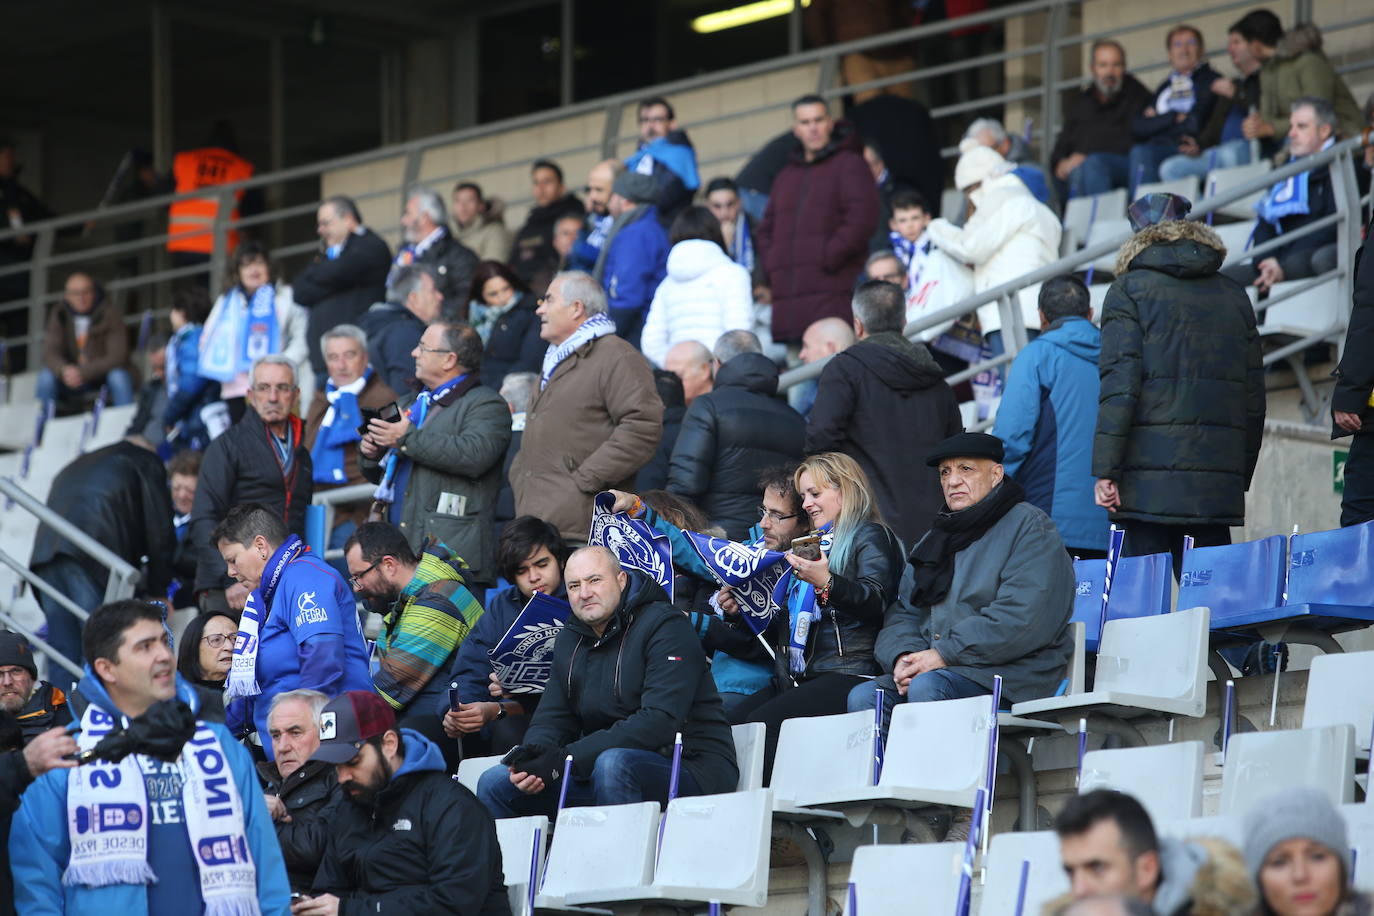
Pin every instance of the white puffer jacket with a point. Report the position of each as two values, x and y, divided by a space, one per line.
1009 235
704 295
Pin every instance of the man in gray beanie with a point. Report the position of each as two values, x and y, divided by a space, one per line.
634 258
1298 852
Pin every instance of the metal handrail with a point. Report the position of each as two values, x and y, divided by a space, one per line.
37 642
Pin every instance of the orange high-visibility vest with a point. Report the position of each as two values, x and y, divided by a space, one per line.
189 221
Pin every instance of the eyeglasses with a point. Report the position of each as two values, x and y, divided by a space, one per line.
217 640
765 512
356 581
279 389
425 349
13 673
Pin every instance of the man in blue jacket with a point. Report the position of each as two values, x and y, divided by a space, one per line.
192 836
665 155
1048 415
634 258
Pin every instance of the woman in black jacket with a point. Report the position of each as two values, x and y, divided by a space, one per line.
207 647
501 308
835 603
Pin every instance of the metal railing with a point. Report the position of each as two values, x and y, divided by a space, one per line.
331 500
1057 45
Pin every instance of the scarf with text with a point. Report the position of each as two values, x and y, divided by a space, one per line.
245 330
243 669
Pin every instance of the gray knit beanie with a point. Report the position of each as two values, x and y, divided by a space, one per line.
1290 814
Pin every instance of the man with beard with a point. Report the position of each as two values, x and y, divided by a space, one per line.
411 839
598 220
1092 153
36 705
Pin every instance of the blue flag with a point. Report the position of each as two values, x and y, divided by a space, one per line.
753 571
634 542
523 657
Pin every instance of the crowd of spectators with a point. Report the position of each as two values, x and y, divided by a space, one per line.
491 384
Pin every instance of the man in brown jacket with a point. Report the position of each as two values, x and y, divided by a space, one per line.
597 417
85 346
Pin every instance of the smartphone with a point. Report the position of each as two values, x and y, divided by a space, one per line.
389 413
808 547
518 756
297 897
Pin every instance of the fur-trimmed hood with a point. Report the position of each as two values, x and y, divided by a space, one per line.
1300 39
1202 876
1175 230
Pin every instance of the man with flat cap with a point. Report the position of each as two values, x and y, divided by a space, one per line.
989 592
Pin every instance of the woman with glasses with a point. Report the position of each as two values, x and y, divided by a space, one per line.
501 308
207 649
255 317
839 590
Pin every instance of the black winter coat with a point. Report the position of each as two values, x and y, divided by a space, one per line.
1355 374
1164 128
424 847
884 402
1181 409
339 291
643 681
729 437
46 709
241 466
119 496
312 796
1094 126
14 779
514 345
454 262
532 253
1296 257
393 332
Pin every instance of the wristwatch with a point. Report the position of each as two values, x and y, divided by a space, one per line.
500 712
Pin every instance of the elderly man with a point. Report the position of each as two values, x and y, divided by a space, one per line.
598 219
85 346
990 132
393 328
424 223
665 155
435 851
636 688
347 275
260 459
993 592
438 466
36 705
691 362
532 256
301 793
597 417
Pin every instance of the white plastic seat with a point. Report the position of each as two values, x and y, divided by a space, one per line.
471 769
1045 879
715 847
1097 298
1078 214
888 879
1156 663
1186 186
17 422
1318 310
1219 181
599 848
1165 778
951 203
1237 239
1259 764
823 754
1359 825
749 753
1230 829
520 861
1341 691
1102 230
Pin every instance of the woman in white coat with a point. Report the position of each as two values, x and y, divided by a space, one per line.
704 294
1008 234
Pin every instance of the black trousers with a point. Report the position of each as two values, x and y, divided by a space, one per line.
1150 537
1357 502
822 695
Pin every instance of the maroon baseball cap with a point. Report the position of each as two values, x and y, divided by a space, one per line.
347 721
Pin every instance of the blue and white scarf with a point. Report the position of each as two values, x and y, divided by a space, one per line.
107 821
244 331
594 327
800 600
338 428
1287 198
635 543
742 246
412 252
243 669
395 467
597 227
912 255
751 570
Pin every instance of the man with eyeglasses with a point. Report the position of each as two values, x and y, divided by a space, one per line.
438 467
260 459
36 705
665 155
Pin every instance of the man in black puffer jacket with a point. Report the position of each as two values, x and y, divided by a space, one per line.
628 675
1181 410
732 435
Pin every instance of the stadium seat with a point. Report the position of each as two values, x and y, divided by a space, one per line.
1259 764
886 877
1233 579
715 847
1230 829
599 848
1045 879
749 752
1187 186
1318 310
823 755
1359 823
1079 214
1101 231
1340 690
1097 298
1237 237
1165 778
1143 587
520 862
1219 181
1132 677
471 770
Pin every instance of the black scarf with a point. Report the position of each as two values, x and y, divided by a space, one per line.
933 555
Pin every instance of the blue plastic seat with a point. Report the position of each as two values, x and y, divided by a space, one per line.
1236 581
1142 589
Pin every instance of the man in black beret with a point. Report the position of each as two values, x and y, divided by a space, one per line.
993 591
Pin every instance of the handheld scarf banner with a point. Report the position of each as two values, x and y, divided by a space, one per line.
751 570
633 541
523 657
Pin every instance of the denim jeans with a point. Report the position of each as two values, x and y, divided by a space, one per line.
70 577
118 382
1222 156
621 776
940 684
1145 159
1099 173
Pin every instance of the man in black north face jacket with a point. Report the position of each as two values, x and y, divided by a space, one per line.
628 676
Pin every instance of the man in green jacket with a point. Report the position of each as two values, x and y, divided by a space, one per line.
1293 66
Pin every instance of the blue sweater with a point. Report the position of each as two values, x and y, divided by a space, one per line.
636 263
40 846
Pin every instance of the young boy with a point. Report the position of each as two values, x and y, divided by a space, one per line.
910 216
